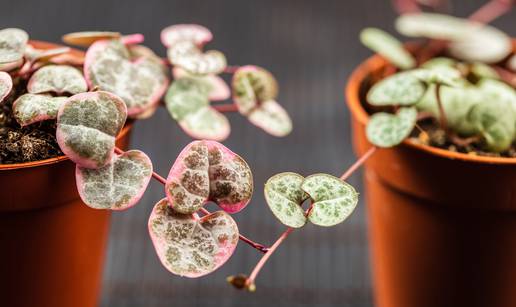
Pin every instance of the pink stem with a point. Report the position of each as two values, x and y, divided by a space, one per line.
132 39
225 108
231 69
406 6
258 246
250 280
491 10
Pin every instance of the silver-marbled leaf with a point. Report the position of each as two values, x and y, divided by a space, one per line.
209 171
188 56
59 79
87 125
388 47
32 108
333 199
444 75
190 246
217 87
118 185
139 82
388 130
185 32
284 196
403 88
187 102
272 118
6 85
12 45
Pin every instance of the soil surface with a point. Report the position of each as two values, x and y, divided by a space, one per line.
31 143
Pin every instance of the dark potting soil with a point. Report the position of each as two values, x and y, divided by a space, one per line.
31 143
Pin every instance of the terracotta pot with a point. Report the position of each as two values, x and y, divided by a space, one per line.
442 225
51 244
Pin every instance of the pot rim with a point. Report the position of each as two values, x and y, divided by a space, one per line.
4 167
352 90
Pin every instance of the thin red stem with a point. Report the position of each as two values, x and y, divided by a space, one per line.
226 108
250 280
260 247
406 6
491 10
231 69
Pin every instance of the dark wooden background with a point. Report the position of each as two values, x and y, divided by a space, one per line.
311 47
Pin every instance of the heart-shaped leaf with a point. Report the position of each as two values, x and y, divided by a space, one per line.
188 56
284 196
388 130
439 75
187 102
189 246
400 89
334 199
208 171
439 62
388 47
185 32
140 83
481 70
470 41
12 45
272 118
6 85
87 125
11 65
32 108
218 89
59 79
117 186
86 38
251 86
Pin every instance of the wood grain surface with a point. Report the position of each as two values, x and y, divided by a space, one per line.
311 47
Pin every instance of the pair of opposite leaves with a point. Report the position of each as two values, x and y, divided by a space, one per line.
87 125
197 82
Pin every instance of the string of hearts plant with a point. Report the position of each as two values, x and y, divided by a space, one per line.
125 79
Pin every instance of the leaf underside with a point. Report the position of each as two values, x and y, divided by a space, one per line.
388 47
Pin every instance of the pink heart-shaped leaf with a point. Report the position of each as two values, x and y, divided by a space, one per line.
59 79
32 108
87 125
12 45
209 171
6 85
189 32
117 186
189 246
218 89
140 83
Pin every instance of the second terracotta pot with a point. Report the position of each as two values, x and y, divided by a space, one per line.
442 225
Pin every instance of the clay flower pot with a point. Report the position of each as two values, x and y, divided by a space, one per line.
442 225
52 246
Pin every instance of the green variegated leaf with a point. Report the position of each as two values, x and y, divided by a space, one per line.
31 108
190 246
334 200
399 89
187 102
439 62
388 130
59 79
439 75
252 85
12 45
117 186
481 70
272 118
284 196
388 47
495 119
